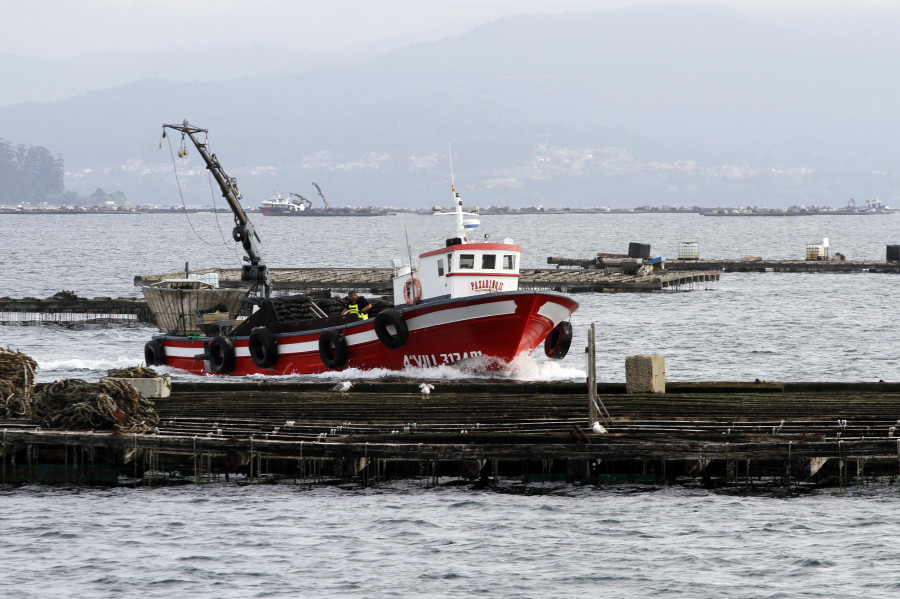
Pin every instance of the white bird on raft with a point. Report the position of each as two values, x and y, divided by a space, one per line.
342 387
598 428
425 388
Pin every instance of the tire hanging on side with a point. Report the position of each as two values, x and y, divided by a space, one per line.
263 347
221 355
333 349
391 318
155 353
556 346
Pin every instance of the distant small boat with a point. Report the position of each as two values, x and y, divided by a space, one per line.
279 205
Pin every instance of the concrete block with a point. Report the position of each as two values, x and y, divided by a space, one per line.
645 374
158 387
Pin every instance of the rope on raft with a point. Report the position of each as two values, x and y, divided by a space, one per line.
16 383
73 404
135 372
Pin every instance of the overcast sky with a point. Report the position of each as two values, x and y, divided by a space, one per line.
58 28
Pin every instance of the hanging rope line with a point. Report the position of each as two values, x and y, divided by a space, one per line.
183 205
218 223
212 194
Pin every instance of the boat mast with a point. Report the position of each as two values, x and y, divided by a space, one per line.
462 224
255 272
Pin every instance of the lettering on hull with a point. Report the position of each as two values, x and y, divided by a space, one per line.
428 360
486 285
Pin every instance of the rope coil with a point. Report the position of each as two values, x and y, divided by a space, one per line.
74 404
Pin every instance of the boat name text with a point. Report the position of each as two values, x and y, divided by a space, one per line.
487 285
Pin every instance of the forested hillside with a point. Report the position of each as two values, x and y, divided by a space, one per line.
29 173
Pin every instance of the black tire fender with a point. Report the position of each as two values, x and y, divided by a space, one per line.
556 346
221 355
392 318
155 353
333 349
263 347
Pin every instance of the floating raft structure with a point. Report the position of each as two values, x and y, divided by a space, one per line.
761 435
378 280
801 266
67 308
754 264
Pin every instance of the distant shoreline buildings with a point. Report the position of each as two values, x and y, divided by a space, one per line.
872 207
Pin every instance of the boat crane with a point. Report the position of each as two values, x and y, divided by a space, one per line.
321 195
244 233
306 202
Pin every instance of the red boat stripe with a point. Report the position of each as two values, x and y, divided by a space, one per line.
504 247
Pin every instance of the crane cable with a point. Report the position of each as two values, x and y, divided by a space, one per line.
184 206
212 194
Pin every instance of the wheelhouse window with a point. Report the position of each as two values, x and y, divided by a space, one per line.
440 267
467 261
488 261
509 261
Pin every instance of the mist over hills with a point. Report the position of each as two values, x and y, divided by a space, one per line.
675 104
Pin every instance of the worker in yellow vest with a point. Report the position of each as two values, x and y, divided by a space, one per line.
357 305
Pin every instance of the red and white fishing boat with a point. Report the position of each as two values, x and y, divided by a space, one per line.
279 205
457 303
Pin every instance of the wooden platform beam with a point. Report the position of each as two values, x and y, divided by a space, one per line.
789 431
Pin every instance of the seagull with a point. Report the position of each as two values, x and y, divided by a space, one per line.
598 428
425 388
342 387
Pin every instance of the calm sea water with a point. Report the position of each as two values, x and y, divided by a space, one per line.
405 540
226 541
775 326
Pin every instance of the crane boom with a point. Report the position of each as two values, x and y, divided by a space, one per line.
306 202
321 195
256 271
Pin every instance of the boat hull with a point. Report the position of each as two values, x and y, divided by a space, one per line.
498 327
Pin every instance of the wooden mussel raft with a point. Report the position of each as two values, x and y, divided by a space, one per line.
766 436
459 303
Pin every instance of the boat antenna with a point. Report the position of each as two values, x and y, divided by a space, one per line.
408 249
462 225
452 180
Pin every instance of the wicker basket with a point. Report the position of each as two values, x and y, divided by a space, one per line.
179 305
